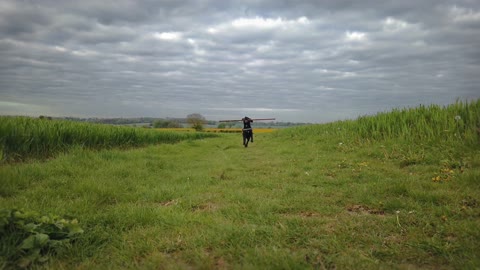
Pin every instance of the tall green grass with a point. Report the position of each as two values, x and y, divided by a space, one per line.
454 123
23 137
298 198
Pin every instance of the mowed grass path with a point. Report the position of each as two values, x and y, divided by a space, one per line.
278 204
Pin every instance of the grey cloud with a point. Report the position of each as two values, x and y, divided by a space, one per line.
301 60
19 21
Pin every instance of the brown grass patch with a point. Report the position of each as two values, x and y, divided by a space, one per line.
362 209
205 207
169 203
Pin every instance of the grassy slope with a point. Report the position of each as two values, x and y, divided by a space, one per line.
284 202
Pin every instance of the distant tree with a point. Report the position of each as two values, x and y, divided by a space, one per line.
222 125
196 120
173 124
158 124
45 117
166 124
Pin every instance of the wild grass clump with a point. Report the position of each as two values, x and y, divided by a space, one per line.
23 137
455 123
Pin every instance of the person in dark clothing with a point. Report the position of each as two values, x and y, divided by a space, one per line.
247 131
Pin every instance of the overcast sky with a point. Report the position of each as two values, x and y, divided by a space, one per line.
299 61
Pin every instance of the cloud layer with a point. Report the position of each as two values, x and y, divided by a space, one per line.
310 61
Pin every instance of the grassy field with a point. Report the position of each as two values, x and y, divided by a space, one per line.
24 138
316 197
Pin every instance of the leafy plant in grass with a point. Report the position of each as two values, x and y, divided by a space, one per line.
27 237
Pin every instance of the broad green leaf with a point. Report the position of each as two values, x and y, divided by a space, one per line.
36 240
59 225
40 231
45 219
74 229
19 215
28 243
30 227
41 239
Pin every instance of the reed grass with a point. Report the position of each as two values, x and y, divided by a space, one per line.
23 137
454 123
